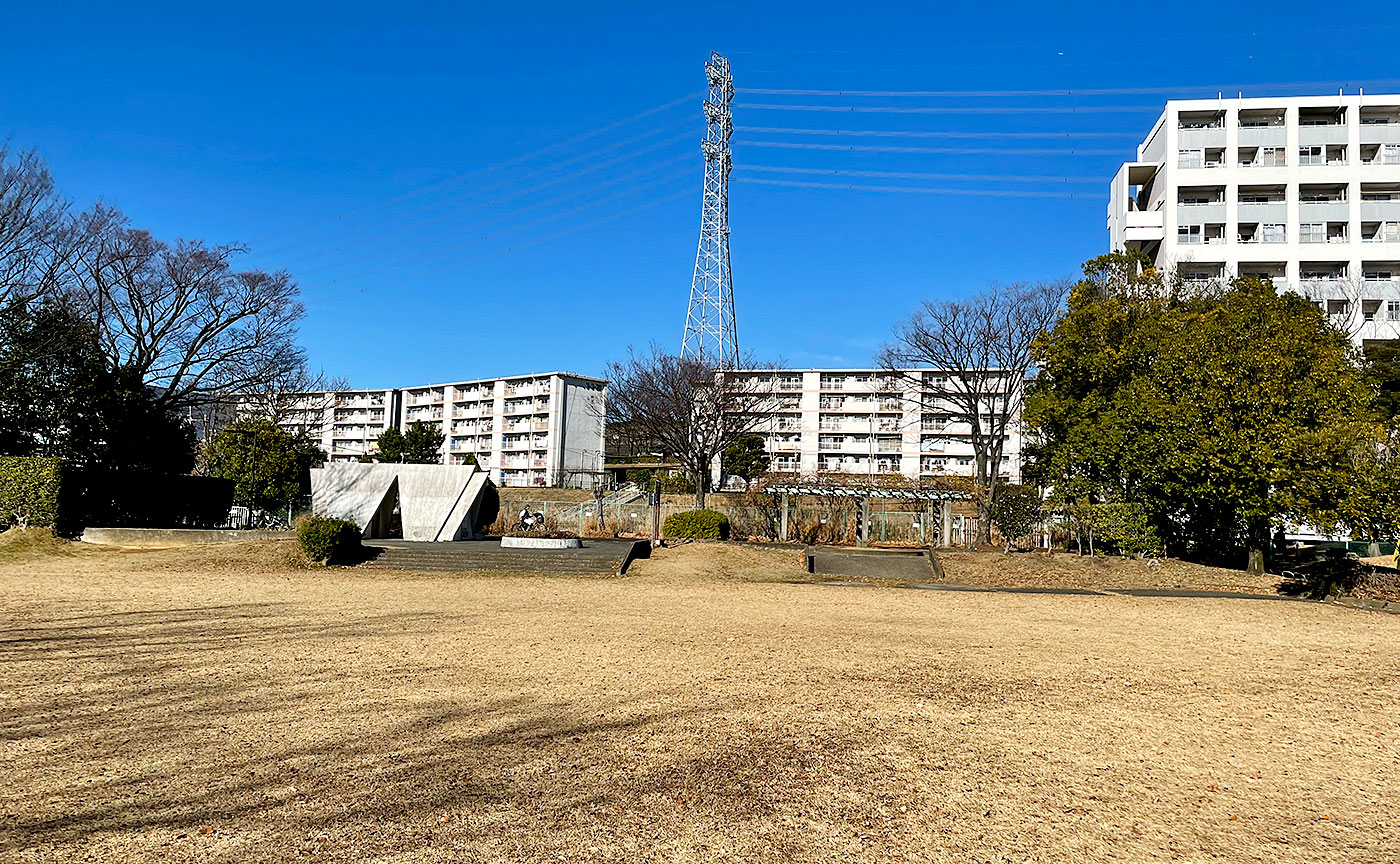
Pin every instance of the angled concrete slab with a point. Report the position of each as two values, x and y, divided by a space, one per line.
436 502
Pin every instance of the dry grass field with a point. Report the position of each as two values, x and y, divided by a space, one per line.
212 706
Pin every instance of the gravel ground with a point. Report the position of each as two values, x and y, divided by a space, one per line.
198 705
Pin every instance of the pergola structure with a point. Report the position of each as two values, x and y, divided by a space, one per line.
940 497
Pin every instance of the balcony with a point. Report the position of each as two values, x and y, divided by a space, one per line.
1323 211
1263 136
1380 133
1200 213
1141 226
1380 211
1275 212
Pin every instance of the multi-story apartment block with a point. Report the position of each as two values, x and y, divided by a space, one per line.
345 423
1303 191
527 430
865 421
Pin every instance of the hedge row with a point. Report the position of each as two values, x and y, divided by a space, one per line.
50 493
30 487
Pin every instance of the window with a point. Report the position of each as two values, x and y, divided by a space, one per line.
1312 232
1390 154
1190 158
1270 157
1273 233
1309 155
1195 199
1378 275
1369 308
1392 310
1338 307
1188 234
1253 198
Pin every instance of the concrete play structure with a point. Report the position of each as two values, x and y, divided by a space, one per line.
436 502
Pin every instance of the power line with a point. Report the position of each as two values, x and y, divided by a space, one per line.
1034 109
923 190
508 250
511 183
970 151
1067 92
924 175
400 263
781 130
515 195
573 195
447 181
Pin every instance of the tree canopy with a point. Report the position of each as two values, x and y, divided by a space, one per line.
268 466
59 397
1218 411
746 458
421 445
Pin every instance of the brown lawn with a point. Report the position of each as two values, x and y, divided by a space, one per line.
198 705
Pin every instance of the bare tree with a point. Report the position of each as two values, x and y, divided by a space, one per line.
688 410
180 316
980 350
37 238
295 397
1346 302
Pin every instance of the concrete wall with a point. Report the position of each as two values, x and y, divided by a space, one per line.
176 536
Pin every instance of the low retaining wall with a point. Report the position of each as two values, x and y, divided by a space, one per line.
176 536
541 543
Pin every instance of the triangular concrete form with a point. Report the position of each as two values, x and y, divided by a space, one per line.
353 491
436 502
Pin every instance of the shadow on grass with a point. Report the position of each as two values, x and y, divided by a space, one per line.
142 722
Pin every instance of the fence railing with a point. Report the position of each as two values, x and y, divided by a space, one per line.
806 524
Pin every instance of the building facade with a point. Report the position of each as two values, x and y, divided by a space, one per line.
1301 191
866 421
526 430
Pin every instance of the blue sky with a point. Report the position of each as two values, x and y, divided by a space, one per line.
429 171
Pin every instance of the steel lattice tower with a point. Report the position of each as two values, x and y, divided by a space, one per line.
710 334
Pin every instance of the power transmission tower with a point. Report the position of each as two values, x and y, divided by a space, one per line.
710 334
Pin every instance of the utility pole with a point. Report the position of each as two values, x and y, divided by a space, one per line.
710 334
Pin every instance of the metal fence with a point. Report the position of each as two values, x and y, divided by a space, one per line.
806 524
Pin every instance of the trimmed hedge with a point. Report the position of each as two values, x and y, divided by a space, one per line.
697 525
334 541
140 499
29 490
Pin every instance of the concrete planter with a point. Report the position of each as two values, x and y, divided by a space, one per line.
541 543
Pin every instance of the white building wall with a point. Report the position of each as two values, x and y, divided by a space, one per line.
834 413
526 430
1215 148
519 428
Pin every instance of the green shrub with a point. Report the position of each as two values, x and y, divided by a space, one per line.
697 525
29 490
334 541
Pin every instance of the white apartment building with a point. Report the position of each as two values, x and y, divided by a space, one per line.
1304 191
527 430
864 421
346 423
